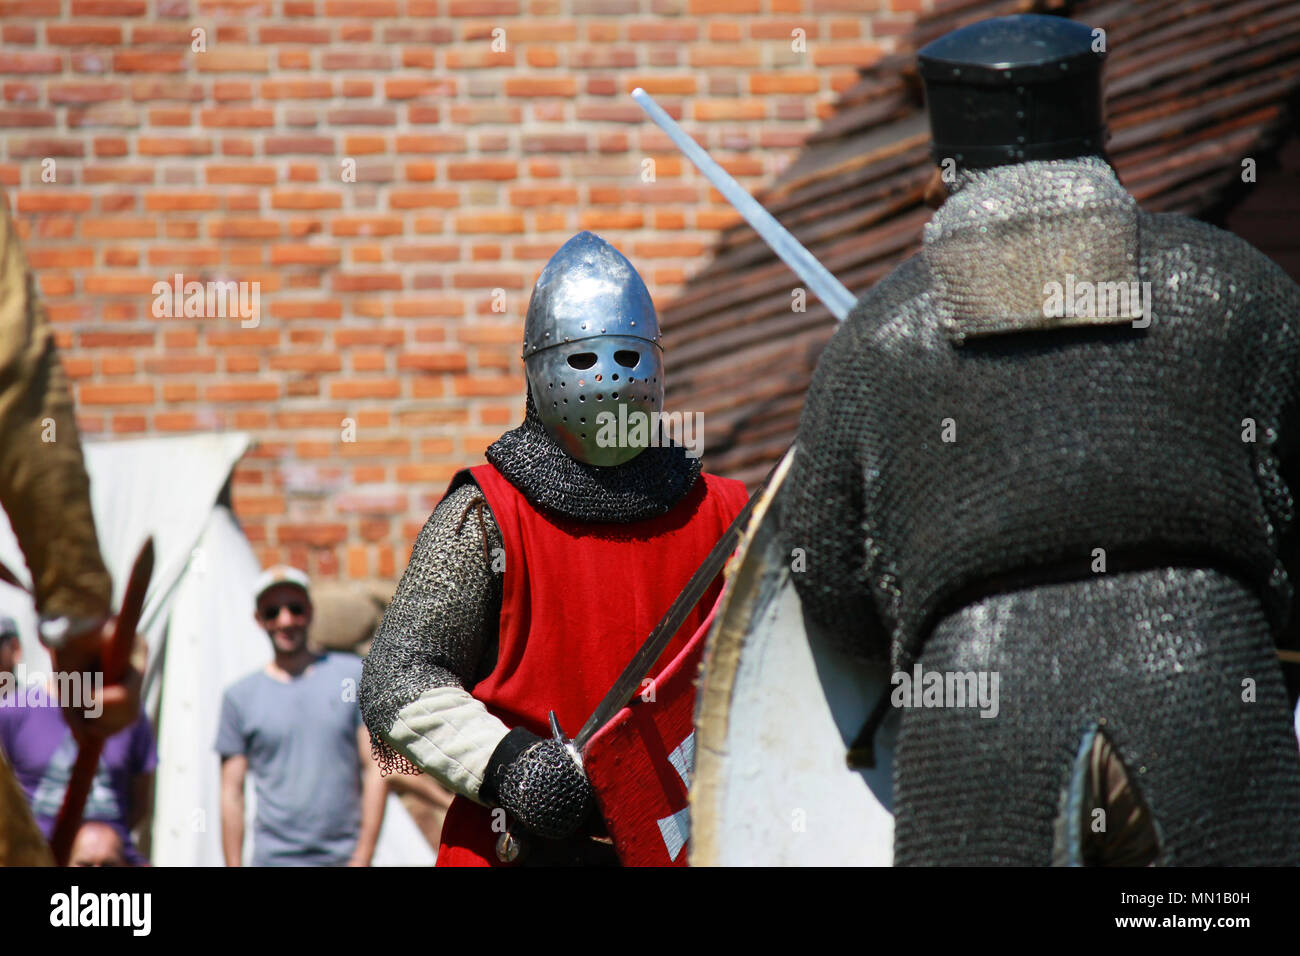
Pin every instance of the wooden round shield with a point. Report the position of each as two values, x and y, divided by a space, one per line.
778 708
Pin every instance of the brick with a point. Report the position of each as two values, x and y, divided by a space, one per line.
369 362
297 89
426 473
165 146
723 55
498 170
153 61
450 252
247 175
180 364
44 146
479 57
161 34
366 226
243 229
175 421
115 394
285 199
361 116
26 117
712 110
30 62
108 8
172 202
222 59
367 9
236 364
356 61
501 222
78 94
306 362
226 117
180 392
168 89
432 361
382 448
313 535
857 54
61 257
423 198
366 388
764 83
534 86
482 8
79 34
242 392
468 386
659 84
599 220
556 143
544 196
298 254
424 143
115 340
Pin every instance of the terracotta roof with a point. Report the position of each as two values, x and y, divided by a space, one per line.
1193 87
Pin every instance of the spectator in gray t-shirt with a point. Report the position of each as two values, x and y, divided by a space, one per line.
296 726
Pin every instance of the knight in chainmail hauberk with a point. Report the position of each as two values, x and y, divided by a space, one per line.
1003 475
538 575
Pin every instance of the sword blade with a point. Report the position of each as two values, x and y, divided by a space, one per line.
832 293
825 286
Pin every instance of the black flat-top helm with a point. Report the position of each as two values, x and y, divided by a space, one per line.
1013 89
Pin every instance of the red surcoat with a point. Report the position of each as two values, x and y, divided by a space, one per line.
578 599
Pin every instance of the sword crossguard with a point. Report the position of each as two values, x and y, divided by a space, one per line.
559 736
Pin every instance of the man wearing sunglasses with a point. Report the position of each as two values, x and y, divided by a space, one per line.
295 724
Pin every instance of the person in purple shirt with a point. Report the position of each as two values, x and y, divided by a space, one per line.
40 748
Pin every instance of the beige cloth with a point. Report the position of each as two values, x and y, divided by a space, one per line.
43 483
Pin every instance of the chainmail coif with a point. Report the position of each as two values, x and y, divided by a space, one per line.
645 487
940 466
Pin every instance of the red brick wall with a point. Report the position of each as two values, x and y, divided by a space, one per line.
377 296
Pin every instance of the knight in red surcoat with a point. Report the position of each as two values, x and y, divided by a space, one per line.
539 574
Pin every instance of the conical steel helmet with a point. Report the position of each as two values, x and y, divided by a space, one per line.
592 353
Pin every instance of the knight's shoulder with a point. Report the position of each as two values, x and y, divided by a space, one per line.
729 489
1174 233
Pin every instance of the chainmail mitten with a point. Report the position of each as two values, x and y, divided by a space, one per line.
538 783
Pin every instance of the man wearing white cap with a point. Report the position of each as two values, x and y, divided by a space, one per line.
295 724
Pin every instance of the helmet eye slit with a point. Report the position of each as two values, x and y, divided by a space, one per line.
582 360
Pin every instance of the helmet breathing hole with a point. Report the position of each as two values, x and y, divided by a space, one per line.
582 398
614 377
614 396
600 397
598 378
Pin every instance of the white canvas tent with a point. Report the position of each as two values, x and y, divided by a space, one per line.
197 622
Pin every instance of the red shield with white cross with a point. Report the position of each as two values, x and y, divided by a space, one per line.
640 764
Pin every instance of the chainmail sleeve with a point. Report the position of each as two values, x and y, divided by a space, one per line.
822 504
437 638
